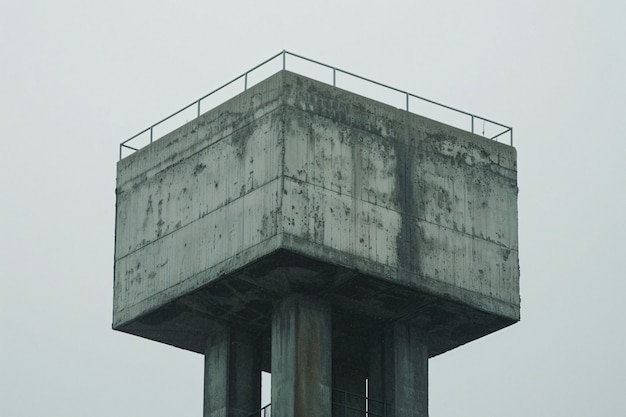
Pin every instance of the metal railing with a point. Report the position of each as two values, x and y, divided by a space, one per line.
499 130
349 404
344 404
263 412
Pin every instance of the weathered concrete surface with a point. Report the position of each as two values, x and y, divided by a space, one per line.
301 357
197 204
406 371
428 205
296 186
232 374
397 369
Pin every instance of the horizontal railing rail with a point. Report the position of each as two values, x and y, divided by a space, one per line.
263 412
345 404
500 129
349 404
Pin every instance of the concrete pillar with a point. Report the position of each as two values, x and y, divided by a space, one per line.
232 375
301 358
406 371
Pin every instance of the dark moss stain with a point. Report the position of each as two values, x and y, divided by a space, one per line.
443 199
407 239
160 222
139 182
266 226
318 221
198 169
240 139
149 211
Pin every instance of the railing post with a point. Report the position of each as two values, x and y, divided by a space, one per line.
335 70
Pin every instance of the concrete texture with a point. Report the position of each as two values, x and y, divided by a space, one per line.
397 370
322 236
232 375
406 371
296 186
301 357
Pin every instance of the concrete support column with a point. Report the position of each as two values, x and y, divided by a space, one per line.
301 358
232 375
406 371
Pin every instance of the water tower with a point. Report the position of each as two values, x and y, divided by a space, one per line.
325 237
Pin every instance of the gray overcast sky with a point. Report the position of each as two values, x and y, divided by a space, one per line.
78 77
